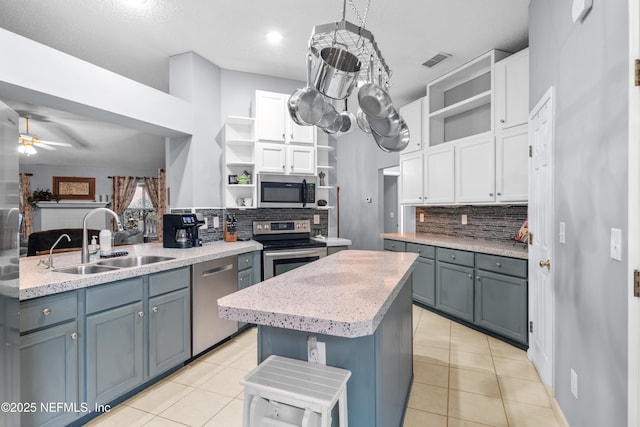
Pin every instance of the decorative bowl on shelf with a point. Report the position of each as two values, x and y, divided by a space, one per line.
322 202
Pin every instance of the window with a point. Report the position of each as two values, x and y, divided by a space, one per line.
140 213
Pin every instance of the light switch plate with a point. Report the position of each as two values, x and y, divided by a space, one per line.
316 219
216 222
580 8
616 244
421 217
464 219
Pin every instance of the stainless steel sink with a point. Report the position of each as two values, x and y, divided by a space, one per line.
85 269
136 261
9 272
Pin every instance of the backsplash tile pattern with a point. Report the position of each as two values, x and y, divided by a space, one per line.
245 218
483 222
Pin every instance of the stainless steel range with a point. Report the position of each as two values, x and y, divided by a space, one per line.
286 245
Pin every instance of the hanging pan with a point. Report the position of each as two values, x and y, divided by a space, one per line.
373 99
306 106
397 142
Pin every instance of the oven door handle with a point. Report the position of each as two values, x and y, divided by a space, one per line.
297 253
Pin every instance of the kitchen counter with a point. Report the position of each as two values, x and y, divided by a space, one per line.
37 281
492 247
355 303
346 294
333 241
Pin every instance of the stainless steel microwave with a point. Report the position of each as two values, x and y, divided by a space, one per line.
286 191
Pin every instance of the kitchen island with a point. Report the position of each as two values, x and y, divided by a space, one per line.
356 302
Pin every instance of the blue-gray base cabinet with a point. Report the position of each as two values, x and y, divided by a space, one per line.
381 364
50 359
485 292
249 272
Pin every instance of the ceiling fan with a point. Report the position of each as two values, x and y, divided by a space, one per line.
28 142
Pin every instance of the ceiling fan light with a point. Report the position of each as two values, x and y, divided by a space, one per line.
30 150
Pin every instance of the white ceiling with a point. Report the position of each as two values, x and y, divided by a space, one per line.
136 38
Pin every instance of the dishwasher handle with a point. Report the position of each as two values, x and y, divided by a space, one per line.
217 270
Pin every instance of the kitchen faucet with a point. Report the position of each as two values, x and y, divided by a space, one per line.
85 233
49 263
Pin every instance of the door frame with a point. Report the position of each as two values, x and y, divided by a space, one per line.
549 96
633 237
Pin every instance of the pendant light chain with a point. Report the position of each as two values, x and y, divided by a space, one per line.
363 20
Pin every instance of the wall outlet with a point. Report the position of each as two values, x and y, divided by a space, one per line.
316 219
561 233
205 225
574 383
316 351
464 219
216 222
421 217
615 251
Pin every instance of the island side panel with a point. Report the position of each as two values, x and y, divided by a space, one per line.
381 364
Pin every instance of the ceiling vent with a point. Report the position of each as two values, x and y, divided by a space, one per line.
436 59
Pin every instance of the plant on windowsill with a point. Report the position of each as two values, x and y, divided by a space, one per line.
40 195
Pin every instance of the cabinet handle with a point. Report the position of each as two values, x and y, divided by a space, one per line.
498 194
291 167
453 257
46 311
501 120
419 197
470 276
242 280
74 336
154 309
292 137
490 194
478 277
283 167
283 136
141 313
498 264
419 251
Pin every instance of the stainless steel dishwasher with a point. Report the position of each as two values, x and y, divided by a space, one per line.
211 280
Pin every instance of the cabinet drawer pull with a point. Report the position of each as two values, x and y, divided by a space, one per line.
501 120
498 265
154 309
498 194
478 277
74 336
46 311
242 280
141 313
453 257
490 194
283 167
283 136
470 276
291 167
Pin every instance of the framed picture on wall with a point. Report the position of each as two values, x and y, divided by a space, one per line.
74 187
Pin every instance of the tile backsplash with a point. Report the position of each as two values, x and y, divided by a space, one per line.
245 218
483 222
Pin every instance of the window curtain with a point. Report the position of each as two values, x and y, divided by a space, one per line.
161 208
25 207
124 188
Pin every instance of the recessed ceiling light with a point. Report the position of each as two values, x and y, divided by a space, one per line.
274 37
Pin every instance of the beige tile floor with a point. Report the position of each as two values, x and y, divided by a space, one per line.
462 378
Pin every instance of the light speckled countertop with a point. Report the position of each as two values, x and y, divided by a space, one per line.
36 280
492 247
333 241
345 294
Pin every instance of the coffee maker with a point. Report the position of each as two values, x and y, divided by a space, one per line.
181 230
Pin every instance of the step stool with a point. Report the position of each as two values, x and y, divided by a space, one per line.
283 392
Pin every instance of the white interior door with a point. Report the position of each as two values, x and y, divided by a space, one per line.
541 292
634 219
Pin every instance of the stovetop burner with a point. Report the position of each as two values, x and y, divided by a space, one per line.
293 234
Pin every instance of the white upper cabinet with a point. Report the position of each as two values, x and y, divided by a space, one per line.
282 159
512 91
475 170
411 190
512 156
412 114
273 122
439 174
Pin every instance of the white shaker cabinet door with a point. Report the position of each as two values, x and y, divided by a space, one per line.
272 158
411 190
300 134
301 160
270 116
439 174
475 170
412 114
512 91
512 155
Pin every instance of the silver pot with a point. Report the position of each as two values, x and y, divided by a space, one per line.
336 72
397 142
387 126
306 106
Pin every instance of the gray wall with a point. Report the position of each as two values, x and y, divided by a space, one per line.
359 162
587 63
